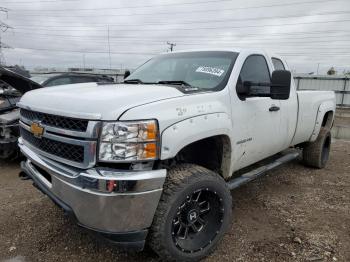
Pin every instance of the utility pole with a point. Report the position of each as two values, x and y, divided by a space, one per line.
3 28
84 62
171 46
109 50
2 46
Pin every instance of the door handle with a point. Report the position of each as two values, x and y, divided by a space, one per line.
274 108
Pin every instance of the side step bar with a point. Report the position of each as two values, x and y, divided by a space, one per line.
260 171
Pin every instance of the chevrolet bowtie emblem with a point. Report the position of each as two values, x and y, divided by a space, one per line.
36 129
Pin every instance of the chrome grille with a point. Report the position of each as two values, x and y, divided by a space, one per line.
69 140
67 151
56 121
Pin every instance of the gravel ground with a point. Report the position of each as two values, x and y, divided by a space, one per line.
293 214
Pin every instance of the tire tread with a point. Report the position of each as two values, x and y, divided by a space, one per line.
312 152
177 179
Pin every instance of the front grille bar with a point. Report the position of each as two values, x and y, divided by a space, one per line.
92 130
71 152
53 146
62 122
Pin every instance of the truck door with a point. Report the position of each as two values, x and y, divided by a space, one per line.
257 132
288 111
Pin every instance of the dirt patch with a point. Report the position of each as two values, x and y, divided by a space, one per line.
293 214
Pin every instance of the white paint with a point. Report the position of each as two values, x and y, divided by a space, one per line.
186 118
309 104
106 102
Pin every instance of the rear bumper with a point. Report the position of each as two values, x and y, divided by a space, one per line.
123 217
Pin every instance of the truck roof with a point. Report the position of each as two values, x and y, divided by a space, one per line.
237 50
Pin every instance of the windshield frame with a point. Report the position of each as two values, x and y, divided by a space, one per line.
225 54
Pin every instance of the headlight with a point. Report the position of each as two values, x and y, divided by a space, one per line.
129 141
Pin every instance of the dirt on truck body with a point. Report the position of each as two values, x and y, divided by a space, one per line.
293 214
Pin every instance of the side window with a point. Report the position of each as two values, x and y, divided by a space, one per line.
255 69
59 81
277 64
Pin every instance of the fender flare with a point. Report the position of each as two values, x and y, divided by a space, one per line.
321 112
179 135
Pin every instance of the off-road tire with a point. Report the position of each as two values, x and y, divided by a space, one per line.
316 154
181 181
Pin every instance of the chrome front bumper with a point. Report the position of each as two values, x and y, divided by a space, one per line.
108 212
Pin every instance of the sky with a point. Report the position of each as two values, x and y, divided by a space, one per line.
312 35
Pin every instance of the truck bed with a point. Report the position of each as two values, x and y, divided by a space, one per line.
309 103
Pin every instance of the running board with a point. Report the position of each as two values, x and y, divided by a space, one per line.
261 171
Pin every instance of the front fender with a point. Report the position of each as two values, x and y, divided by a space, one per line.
193 129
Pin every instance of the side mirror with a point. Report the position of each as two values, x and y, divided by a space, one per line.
280 84
243 89
126 73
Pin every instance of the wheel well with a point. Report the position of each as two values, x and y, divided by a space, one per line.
327 119
213 153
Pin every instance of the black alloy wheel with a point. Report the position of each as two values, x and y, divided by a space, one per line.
198 220
193 214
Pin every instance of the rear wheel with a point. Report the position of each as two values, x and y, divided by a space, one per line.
316 154
193 214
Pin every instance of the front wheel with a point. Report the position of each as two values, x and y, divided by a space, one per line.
193 214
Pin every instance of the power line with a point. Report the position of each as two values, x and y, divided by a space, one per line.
284 42
149 53
178 12
134 40
192 35
221 27
275 47
190 22
85 51
126 7
39 1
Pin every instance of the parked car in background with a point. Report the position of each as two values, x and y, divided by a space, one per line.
70 78
153 159
13 86
40 78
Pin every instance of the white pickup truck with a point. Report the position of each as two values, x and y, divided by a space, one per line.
154 158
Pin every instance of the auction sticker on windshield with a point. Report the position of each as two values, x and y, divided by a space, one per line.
210 70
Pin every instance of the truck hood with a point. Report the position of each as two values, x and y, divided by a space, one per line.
18 82
95 101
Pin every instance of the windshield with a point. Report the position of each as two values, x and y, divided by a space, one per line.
203 70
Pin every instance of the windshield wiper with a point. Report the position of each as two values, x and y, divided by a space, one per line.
173 82
138 81
133 81
186 86
182 83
